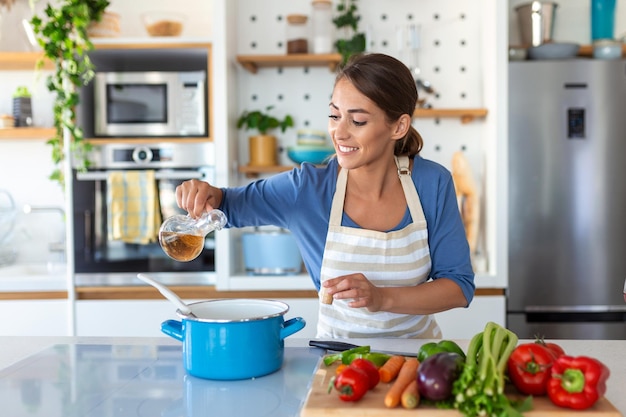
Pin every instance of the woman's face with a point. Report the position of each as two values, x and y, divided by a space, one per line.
358 128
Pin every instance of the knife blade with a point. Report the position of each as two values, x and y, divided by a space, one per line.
338 346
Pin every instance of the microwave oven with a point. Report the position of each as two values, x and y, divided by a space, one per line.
147 104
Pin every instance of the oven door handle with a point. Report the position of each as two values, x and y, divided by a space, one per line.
160 175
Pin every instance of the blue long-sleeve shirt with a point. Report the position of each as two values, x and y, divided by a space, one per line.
300 200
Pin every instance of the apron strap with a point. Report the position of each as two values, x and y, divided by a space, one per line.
336 209
410 193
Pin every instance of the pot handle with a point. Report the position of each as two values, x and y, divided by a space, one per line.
173 328
291 326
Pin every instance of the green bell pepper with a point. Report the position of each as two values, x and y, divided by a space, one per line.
429 349
343 356
376 358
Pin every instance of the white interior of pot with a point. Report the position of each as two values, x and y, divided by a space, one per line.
238 309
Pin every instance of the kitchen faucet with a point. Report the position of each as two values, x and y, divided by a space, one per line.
53 247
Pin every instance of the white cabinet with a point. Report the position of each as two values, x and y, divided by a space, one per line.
144 317
122 317
35 318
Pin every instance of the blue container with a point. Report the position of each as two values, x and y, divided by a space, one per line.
271 253
233 339
602 19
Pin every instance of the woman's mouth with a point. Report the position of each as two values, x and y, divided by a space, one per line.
346 149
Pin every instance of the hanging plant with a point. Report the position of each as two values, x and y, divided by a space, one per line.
348 20
62 33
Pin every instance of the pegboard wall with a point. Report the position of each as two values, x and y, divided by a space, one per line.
449 55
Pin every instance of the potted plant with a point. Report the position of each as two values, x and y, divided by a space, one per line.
62 34
348 20
263 146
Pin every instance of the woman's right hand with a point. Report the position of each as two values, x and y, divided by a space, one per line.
198 197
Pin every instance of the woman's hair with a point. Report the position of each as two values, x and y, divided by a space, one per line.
388 83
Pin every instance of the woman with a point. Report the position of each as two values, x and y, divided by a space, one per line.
378 228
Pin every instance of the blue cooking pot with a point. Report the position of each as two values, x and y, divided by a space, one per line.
230 339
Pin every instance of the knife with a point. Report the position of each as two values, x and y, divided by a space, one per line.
342 346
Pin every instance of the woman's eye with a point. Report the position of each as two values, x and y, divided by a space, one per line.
359 123
333 117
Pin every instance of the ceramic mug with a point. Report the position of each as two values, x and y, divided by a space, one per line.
232 339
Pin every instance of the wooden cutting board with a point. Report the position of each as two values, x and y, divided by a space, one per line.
319 403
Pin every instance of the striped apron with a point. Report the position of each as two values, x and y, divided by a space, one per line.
399 258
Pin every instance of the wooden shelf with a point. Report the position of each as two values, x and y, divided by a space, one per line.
466 115
252 171
27 60
22 61
253 62
27 133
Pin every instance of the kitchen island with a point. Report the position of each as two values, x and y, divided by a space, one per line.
25 371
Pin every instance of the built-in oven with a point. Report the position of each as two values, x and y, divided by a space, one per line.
107 194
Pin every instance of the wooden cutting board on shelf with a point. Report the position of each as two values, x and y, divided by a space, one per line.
320 403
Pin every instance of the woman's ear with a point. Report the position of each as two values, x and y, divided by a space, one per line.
402 127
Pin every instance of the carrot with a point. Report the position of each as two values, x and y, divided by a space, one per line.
340 368
391 368
407 374
410 395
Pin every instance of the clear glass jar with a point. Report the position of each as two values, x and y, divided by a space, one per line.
182 237
323 28
297 34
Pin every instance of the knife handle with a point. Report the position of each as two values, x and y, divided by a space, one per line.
332 345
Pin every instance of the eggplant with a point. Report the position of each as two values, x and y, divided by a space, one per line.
437 373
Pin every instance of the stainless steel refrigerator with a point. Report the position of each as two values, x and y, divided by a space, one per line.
567 199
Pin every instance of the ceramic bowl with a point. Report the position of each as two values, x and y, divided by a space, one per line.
313 137
313 154
554 50
607 49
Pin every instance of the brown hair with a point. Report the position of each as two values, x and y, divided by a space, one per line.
388 83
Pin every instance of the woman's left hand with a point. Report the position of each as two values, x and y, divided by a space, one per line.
356 287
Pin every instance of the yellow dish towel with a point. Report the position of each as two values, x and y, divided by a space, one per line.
134 214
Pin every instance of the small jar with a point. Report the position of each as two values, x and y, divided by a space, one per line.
297 34
323 29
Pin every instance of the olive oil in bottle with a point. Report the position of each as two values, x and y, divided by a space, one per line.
181 247
182 237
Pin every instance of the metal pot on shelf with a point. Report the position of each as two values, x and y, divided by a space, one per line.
536 22
271 252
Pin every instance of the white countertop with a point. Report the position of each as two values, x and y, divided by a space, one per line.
611 352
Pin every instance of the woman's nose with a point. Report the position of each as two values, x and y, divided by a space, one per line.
340 130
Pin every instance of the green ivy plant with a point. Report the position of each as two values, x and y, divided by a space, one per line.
348 19
263 121
62 33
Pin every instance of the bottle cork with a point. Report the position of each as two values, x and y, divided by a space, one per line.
325 298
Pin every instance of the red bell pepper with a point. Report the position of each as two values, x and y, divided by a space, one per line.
577 382
529 368
369 368
352 384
